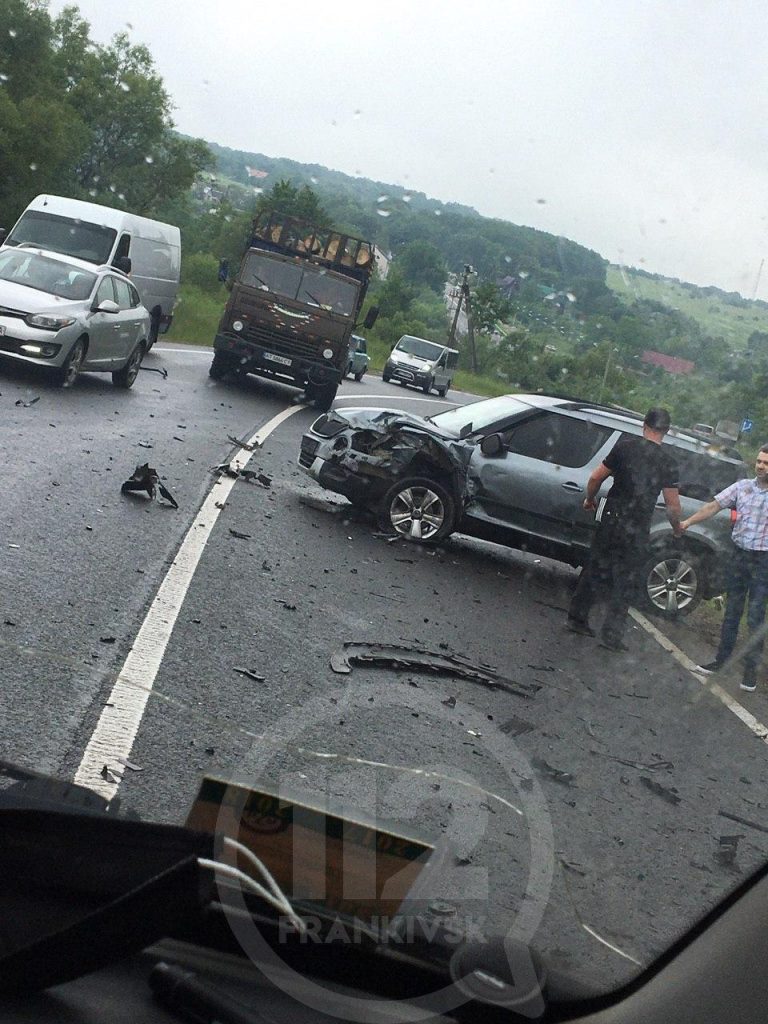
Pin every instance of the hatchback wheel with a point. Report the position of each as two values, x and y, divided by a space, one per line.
672 582
68 373
125 377
418 509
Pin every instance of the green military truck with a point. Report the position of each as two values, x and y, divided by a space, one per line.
294 305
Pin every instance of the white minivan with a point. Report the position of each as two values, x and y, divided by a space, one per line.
148 250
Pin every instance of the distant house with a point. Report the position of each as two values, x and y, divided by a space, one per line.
669 363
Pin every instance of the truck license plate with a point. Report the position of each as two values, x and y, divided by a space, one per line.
278 359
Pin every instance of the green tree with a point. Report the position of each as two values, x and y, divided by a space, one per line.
293 201
421 263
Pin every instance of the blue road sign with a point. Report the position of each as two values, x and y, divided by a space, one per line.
746 426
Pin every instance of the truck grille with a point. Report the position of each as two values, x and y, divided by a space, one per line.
307 454
281 344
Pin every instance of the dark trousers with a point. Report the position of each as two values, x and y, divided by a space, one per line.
747 579
611 574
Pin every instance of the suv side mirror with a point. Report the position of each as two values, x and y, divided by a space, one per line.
371 317
492 445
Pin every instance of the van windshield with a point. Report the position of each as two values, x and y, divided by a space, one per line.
419 347
90 242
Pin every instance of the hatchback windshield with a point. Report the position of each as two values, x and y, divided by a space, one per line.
45 275
480 415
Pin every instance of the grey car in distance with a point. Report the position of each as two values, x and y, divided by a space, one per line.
66 315
514 470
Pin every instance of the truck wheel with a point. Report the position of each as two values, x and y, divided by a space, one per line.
322 395
359 375
418 509
223 363
672 581
426 387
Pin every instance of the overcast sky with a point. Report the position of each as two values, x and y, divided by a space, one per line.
641 124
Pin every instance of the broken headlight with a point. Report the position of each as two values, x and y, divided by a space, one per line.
328 425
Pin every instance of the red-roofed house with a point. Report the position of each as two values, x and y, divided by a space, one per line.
669 363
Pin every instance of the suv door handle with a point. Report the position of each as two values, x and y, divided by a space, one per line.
571 486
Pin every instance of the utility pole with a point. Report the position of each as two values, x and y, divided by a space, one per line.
464 294
611 350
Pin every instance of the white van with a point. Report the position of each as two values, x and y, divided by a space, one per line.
147 250
422 364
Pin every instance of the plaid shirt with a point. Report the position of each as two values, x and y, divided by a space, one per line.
751 504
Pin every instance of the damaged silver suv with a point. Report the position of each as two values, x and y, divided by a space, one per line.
514 470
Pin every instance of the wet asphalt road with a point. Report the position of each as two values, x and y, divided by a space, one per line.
541 798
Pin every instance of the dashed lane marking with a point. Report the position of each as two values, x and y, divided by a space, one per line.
118 725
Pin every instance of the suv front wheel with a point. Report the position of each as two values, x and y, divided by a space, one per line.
672 581
418 509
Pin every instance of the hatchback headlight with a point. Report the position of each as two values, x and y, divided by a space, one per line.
48 322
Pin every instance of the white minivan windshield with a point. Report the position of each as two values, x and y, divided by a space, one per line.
90 242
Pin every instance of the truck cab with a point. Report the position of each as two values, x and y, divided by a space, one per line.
294 305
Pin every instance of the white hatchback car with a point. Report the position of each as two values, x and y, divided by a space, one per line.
64 314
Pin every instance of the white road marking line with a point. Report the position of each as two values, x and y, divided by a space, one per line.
118 725
752 723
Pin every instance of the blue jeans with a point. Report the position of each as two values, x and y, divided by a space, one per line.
747 579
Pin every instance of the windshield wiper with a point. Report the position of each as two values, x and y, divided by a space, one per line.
261 279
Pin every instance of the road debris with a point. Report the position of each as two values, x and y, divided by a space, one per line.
286 604
250 675
156 369
146 479
110 775
450 702
727 849
332 507
668 793
643 766
243 444
107 639
743 821
252 476
400 657
575 868
239 535
556 774
515 726
130 764
145 444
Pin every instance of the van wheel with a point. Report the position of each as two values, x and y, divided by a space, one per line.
418 509
125 377
443 391
672 582
154 328
359 375
385 377
427 386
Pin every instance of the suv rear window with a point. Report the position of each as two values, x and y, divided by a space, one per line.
702 475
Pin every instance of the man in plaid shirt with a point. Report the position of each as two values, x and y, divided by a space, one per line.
748 568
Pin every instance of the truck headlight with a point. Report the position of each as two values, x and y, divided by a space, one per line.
327 353
237 325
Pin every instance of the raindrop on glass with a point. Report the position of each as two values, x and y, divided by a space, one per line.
406 199
92 192
124 86
257 190
438 213
112 188
382 199
357 113
12 33
314 180
541 201
129 26
149 159
121 195
3 78
383 213
33 167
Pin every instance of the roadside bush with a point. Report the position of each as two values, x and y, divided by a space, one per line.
201 270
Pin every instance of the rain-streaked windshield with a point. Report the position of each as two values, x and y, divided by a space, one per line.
523 631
